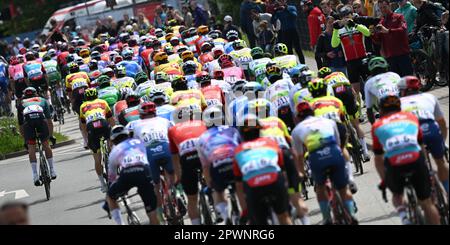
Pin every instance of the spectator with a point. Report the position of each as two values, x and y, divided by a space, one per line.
288 34
100 28
265 36
228 25
164 7
111 25
316 23
187 16
331 57
14 213
199 14
160 18
334 4
270 6
174 14
124 22
257 18
409 12
358 8
246 21
55 34
143 22
392 34
425 14
326 8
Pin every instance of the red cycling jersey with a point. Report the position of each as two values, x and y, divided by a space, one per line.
183 137
213 95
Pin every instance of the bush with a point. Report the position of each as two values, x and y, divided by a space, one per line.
10 138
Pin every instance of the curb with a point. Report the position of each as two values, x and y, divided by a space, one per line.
24 152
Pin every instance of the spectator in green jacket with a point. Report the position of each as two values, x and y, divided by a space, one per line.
409 12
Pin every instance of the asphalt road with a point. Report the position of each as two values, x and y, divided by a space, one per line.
76 196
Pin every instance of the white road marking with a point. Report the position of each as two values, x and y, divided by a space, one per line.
19 194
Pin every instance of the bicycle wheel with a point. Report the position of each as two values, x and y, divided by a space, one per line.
440 200
204 210
423 68
132 219
341 215
415 214
45 176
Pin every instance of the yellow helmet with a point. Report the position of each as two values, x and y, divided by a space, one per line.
187 55
160 56
169 36
202 30
84 53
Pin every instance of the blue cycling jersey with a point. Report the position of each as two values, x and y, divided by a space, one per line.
132 67
216 146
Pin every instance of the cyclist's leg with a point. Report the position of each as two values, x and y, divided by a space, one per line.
220 177
43 130
348 165
318 167
143 181
280 201
117 189
30 139
353 70
189 180
394 181
257 208
155 173
94 136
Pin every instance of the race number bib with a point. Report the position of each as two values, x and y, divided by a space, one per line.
33 109
400 141
131 160
255 165
281 101
94 117
154 137
79 84
213 102
231 79
188 146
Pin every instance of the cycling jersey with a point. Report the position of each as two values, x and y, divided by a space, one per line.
16 72
145 55
169 68
424 106
232 74
192 81
242 57
298 94
76 81
94 111
32 109
183 137
258 68
127 154
213 95
286 61
188 98
174 58
398 137
3 75
93 75
278 93
145 88
329 107
124 82
276 129
335 80
199 41
258 162
205 58
234 107
128 115
109 94
34 70
151 131
211 67
379 86
165 111
166 87
52 70
216 146
257 103
352 40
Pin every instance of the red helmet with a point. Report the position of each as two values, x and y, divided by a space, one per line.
303 108
147 108
13 60
225 61
219 75
22 51
409 83
118 59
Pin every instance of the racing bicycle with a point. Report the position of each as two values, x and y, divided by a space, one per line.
206 204
44 170
57 105
132 218
174 206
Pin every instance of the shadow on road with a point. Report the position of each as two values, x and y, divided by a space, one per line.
37 202
86 205
90 188
379 218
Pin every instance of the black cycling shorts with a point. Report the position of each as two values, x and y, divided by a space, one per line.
139 177
190 167
293 178
285 114
345 94
40 85
31 126
261 199
96 130
78 97
420 178
19 87
356 70
222 176
342 133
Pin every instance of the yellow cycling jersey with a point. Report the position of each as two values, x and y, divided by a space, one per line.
188 98
171 68
286 61
125 82
166 87
328 107
336 79
77 80
276 129
91 111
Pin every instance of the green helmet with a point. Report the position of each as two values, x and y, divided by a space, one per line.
378 62
161 77
103 81
280 48
324 71
257 52
141 77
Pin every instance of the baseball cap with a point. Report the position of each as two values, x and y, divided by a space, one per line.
228 18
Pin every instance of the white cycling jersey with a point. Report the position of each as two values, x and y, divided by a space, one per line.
424 106
143 88
278 92
150 131
379 86
211 67
129 153
286 61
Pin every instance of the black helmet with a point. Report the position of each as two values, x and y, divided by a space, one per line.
29 92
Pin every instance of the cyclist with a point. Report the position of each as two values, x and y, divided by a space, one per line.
243 91
351 35
122 80
258 169
300 90
242 56
231 72
342 89
397 139
186 98
131 113
183 138
144 86
213 94
426 108
94 72
381 83
216 151
162 81
189 56
190 73
52 71
231 37
129 155
16 77
278 94
96 119
35 74
34 116
107 92
4 84
206 56
258 65
282 58
213 65
162 64
321 138
152 130
330 107
202 32
161 100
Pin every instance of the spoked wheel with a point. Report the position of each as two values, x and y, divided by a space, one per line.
423 69
341 215
204 210
45 176
133 219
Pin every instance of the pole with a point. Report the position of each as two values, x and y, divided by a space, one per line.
85 5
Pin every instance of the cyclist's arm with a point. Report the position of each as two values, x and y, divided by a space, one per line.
335 39
48 116
379 155
363 29
440 119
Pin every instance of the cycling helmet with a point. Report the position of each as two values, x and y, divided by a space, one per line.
304 109
90 94
324 72
390 103
280 48
117 59
93 65
73 67
29 92
22 51
250 127
409 84
30 56
118 134
213 116
218 75
206 47
192 31
132 99
124 92
13 60
217 52
345 10
232 35
225 61
95 55
204 79
124 37
79 60
147 109
175 41
202 30
214 34
305 77
274 73
257 53
35 48
238 86
127 54
317 87
189 67
159 33
84 53
252 87
160 57
239 44
80 42
103 81
181 49
378 63
169 49
51 53
121 71
108 72
112 54
140 77
179 83
46 57
132 42
158 96
187 55
161 77
169 36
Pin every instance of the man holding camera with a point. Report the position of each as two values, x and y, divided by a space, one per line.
392 34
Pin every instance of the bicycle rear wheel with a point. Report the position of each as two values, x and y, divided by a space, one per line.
45 176
205 211
341 215
415 214
423 68
440 200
